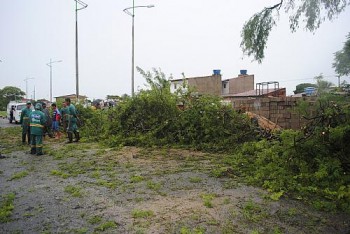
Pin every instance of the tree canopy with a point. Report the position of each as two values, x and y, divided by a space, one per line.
9 93
322 85
300 87
256 30
342 59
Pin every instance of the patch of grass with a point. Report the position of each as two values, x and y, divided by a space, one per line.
231 184
1 172
228 227
19 175
100 152
136 178
196 230
195 179
73 169
28 214
95 219
220 172
75 191
292 212
253 212
153 185
139 199
276 196
6 207
59 173
96 174
105 183
227 201
213 222
78 230
106 225
276 230
128 165
207 200
141 213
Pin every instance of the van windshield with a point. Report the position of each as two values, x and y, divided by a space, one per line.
20 107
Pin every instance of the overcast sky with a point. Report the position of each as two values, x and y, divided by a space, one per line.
193 37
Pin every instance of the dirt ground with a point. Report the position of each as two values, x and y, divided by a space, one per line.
88 188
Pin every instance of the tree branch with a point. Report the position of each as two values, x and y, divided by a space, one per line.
278 5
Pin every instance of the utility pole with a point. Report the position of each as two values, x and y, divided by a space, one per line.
26 80
50 65
83 6
132 14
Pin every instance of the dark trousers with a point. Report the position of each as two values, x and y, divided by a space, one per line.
25 133
37 144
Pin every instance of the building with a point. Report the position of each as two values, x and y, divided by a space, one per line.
210 85
214 85
242 83
73 98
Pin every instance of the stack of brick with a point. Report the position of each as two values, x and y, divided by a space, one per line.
280 110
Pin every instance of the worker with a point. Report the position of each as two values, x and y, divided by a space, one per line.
24 121
56 117
37 124
48 124
72 122
64 115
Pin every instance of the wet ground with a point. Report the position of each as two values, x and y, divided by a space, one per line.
87 188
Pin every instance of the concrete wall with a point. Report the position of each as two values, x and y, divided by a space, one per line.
280 110
207 84
241 84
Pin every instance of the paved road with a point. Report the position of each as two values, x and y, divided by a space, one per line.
4 123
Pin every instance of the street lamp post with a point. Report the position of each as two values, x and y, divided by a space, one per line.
50 65
82 6
26 80
132 14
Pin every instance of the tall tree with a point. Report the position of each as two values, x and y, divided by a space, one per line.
322 85
256 30
342 59
10 93
301 87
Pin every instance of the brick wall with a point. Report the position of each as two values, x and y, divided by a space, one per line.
280 110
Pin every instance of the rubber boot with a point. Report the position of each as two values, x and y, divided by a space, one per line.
24 138
32 150
70 137
28 139
39 152
77 136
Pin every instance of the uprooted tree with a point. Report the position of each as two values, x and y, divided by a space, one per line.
256 30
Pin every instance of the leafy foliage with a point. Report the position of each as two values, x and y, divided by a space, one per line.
342 59
322 85
10 93
256 30
300 87
312 164
153 118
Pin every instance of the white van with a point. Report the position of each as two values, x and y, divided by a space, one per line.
17 110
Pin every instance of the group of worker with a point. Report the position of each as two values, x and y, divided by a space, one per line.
36 124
